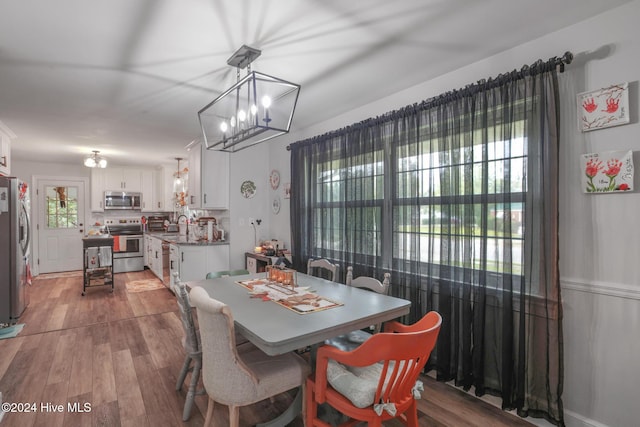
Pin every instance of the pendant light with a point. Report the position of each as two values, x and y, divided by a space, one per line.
255 109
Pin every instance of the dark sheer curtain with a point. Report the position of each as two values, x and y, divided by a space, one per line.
456 197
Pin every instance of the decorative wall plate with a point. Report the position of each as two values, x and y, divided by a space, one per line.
274 179
248 189
275 205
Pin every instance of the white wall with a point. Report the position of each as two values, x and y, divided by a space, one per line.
599 234
251 164
25 170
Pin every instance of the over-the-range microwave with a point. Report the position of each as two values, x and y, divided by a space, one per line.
122 200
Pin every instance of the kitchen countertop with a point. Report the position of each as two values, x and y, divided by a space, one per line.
177 239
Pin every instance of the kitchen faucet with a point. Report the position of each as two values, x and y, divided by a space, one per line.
187 219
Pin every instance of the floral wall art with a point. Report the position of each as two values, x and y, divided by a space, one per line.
607 172
604 107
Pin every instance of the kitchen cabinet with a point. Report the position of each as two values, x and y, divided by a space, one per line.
97 190
147 250
147 188
6 135
113 179
193 262
164 189
123 179
155 256
208 178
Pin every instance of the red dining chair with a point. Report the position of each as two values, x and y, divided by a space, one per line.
377 381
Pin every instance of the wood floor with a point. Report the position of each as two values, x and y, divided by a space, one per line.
116 356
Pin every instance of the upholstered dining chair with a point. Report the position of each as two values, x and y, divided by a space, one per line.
191 344
226 273
239 378
216 274
322 268
353 339
377 381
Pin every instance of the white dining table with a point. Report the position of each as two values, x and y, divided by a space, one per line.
277 330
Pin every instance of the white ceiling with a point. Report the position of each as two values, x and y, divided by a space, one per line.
127 77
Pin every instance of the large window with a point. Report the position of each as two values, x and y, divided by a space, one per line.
456 197
465 205
459 205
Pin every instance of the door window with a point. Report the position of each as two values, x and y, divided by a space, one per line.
61 207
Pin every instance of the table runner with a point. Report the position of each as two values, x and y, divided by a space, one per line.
300 299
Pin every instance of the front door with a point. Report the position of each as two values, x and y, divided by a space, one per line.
60 224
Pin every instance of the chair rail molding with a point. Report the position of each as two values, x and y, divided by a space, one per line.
619 290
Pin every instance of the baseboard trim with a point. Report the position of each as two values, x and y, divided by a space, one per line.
573 419
601 288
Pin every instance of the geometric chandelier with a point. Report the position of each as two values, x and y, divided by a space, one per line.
255 109
93 160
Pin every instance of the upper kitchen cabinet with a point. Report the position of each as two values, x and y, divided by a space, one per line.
132 179
97 189
208 178
123 179
6 135
162 189
148 189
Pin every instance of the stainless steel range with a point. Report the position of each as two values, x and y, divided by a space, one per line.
128 244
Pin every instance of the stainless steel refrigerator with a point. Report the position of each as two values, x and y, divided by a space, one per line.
15 244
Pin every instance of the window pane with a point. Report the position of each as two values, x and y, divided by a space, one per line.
62 207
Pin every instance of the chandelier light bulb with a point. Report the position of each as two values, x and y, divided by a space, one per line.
233 121
254 109
266 101
102 163
90 162
242 116
223 126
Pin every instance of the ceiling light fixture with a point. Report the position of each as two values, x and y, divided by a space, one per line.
180 177
255 109
95 161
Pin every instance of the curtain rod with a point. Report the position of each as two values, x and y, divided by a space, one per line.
565 59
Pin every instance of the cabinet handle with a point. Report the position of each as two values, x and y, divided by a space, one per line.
205 198
191 198
182 255
171 265
4 161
